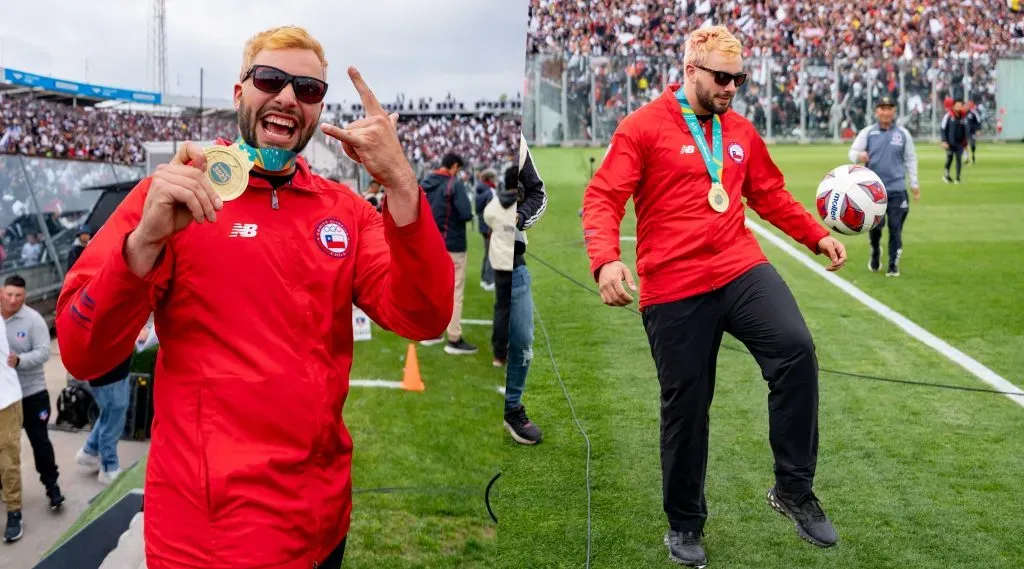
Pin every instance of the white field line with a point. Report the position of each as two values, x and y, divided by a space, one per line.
931 340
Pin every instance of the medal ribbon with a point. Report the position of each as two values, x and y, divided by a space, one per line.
269 159
713 162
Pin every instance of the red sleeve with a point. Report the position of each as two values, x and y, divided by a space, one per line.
766 193
103 305
604 201
405 279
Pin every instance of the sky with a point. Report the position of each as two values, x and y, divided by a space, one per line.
473 49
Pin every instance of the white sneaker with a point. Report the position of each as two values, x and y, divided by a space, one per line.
87 460
106 477
433 342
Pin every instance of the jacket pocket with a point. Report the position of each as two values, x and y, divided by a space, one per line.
257 436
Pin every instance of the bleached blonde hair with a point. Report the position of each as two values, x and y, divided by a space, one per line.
283 37
704 42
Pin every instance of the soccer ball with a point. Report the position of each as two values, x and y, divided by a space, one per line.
851 199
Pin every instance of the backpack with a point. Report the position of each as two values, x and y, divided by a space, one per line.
76 407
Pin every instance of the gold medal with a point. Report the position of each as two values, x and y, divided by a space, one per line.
227 167
717 197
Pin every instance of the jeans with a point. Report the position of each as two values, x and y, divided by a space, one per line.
113 402
520 338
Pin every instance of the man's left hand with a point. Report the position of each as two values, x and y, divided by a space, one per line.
373 142
835 251
917 192
12 360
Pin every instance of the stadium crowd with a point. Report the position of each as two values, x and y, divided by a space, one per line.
949 48
52 130
47 129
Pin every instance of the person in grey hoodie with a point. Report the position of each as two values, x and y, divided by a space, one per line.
449 202
29 338
888 150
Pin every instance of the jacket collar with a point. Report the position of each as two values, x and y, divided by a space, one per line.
302 180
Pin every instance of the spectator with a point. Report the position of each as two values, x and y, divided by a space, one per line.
112 392
485 189
449 202
10 443
28 340
32 250
81 240
375 194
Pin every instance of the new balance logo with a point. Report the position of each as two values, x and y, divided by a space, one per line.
687 149
243 230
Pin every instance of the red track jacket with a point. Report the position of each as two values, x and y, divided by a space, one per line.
249 464
684 247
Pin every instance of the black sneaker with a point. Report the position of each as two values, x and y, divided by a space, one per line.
875 263
811 522
14 530
55 496
519 426
684 547
460 348
893 271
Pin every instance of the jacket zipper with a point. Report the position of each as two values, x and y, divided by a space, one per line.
273 198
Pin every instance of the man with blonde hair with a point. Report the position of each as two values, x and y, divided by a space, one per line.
250 460
687 160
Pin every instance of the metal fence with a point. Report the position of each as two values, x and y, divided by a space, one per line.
579 100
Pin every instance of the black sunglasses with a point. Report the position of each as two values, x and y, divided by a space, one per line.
722 78
269 79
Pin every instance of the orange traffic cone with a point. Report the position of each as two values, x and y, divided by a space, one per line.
411 380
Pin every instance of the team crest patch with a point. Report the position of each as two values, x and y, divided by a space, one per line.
22 333
332 237
736 152
897 138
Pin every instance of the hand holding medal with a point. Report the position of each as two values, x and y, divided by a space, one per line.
180 193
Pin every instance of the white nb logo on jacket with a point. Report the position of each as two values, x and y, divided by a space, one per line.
243 230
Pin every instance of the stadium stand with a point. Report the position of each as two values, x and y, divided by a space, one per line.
803 56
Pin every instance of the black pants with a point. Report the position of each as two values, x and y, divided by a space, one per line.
502 306
895 214
334 560
973 144
37 417
759 310
486 270
954 153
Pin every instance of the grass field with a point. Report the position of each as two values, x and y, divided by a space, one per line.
438 449
911 476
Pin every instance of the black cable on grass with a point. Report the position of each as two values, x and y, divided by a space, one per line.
435 490
554 365
487 496
824 370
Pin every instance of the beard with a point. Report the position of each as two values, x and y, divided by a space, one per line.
707 100
248 122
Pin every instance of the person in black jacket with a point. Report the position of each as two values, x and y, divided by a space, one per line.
485 192
449 202
954 138
532 203
535 198
81 240
973 126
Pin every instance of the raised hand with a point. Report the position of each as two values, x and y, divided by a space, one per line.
373 141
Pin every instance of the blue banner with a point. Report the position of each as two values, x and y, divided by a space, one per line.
81 89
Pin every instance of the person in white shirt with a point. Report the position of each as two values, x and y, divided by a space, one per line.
10 440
